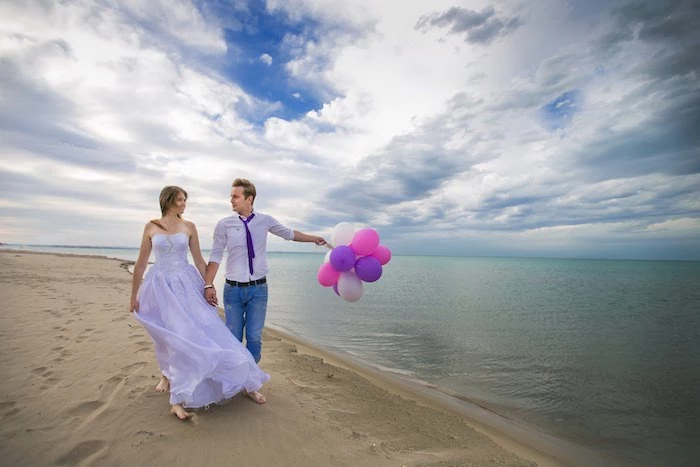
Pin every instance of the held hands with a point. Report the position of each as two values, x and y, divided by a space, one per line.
210 296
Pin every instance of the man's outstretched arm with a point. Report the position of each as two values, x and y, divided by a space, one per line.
302 237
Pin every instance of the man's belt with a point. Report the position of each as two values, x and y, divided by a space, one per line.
247 284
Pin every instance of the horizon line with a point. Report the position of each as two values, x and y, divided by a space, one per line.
393 255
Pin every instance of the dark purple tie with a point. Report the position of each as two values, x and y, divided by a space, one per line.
249 242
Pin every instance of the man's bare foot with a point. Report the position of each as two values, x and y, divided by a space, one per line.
256 396
163 385
180 412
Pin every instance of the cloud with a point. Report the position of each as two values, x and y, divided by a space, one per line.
181 20
488 165
477 27
108 114
266 59
557 128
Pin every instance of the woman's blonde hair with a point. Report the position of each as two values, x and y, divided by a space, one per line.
168 196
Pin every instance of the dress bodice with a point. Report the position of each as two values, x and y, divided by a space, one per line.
170 251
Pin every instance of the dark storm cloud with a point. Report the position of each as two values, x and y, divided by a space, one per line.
476 27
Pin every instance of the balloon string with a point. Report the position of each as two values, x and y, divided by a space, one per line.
329 246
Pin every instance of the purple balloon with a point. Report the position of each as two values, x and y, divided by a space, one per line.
342 258
368 268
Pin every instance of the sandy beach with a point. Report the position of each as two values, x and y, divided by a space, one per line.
79 372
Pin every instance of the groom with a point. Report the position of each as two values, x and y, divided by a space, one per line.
244 236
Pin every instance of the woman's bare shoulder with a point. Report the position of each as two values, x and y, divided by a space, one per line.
153 227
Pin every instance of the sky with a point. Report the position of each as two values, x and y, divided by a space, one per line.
515 128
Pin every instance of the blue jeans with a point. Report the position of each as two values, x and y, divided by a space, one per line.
245 307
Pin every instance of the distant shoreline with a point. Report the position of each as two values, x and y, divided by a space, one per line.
323 252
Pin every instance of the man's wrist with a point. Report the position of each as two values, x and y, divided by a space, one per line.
208 286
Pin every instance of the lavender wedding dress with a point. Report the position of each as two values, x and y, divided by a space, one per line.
204 362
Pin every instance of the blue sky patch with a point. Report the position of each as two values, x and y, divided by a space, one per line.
256 33
558 113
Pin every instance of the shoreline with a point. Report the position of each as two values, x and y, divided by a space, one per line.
525 442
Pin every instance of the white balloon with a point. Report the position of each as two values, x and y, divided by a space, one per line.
342 234
327 259
349 287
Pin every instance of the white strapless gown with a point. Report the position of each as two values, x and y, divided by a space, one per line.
204 362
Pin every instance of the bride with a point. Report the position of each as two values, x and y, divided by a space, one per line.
201 362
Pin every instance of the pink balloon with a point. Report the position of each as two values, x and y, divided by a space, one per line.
327 276
383 254
365 241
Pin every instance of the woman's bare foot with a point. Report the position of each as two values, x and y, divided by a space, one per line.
180 412
163 385
256 396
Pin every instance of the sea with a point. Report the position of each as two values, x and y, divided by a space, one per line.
601 353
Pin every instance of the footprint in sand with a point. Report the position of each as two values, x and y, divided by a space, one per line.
50 380
42 371
134 367
62 354
138 391
7 405
82 451
144 346
85 407
85 333
92 409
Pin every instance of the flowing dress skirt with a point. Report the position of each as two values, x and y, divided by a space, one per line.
204 362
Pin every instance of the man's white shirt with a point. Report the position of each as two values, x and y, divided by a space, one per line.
230 235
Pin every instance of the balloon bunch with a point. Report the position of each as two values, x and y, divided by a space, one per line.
356 257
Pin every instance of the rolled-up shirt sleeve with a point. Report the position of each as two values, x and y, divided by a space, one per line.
217 248
280 230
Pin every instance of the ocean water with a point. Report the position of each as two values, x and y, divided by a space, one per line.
602 353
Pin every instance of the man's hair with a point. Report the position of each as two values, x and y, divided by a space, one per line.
248 187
